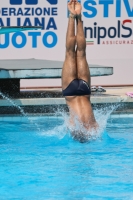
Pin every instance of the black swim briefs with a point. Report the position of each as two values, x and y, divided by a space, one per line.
77 87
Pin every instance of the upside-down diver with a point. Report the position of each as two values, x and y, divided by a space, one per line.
76 74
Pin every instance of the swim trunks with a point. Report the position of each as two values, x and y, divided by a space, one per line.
77 87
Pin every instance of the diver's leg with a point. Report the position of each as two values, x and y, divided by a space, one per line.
69 71
83 71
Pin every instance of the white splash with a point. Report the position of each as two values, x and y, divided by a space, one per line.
13 104
101 114
20 109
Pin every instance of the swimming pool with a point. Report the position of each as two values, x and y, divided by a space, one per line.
39 160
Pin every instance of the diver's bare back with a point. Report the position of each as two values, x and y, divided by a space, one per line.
80 106
75 73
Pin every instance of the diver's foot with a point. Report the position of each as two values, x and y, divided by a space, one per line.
78 8
71 8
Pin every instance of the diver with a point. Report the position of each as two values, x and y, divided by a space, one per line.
76 74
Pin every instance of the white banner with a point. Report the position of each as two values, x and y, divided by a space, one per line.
108 30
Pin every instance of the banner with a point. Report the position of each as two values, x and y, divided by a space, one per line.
108 29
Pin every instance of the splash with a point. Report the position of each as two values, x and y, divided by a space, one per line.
14 104
20 109
101 114
59 131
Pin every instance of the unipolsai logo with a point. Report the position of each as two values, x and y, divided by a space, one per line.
120 33
31 2
34 15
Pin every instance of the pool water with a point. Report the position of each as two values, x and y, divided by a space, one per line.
39 160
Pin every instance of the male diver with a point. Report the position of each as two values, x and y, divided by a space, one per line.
76 75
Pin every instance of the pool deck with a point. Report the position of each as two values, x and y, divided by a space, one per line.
52 96
46 101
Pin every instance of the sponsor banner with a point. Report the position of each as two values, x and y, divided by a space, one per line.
108 27
29 13
44 43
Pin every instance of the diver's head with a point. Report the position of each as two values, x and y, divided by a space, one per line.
80 136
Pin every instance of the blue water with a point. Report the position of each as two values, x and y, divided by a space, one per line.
39 160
